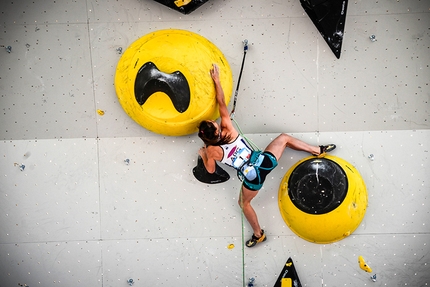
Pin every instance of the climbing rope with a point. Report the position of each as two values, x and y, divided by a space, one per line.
254 147
243 237
250 142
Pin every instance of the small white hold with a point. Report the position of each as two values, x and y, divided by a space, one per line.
373 278
372 38
127 161
371 157
130 282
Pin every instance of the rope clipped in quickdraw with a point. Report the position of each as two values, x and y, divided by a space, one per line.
245 49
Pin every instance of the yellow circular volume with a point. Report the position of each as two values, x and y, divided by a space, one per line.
163 82
322 200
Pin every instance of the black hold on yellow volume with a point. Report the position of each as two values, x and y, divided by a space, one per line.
322 200
163 83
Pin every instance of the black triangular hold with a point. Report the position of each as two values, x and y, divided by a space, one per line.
201 174
183 6
329 17
288 274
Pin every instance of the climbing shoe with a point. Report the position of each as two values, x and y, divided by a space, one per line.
254 239
325 149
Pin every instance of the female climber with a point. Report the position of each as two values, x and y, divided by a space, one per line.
224 144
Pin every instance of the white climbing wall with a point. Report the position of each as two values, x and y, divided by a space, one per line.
91 199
